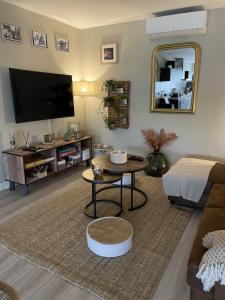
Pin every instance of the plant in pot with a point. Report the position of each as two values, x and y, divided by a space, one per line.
110 122
108 101
69 135
157 163
123 100
108 85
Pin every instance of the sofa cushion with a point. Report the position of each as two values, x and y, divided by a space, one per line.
212 219
217 196
217 174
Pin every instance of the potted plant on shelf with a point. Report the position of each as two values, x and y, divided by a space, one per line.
157 163
110 122
68 136
123 100
108 102
108 85
123 118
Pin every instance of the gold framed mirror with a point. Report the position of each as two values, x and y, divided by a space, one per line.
175 77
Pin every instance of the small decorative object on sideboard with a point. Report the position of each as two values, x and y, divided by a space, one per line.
48 138
77 132
100 149
12 140
68 136
118 157
26 139
40 172
157 163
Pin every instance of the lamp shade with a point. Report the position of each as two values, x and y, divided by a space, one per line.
83 88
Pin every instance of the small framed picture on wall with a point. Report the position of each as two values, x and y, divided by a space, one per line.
11 32
109 53
39 39
62 44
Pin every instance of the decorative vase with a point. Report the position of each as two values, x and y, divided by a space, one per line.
157 164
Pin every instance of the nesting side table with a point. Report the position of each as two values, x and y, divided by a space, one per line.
132 167
105 178
109 236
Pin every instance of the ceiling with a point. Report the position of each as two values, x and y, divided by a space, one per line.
91 13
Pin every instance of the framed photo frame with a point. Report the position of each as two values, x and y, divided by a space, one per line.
39 39
109 53
11 32
62 44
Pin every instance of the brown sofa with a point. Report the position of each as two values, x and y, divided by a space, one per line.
217 175
213 218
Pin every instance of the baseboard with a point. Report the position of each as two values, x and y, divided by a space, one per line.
4 185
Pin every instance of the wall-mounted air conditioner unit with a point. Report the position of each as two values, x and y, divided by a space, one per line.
184 24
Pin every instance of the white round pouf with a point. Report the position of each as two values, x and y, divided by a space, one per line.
109 236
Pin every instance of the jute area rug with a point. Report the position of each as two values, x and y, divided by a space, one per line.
51 233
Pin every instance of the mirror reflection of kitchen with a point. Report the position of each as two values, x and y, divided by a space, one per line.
174 78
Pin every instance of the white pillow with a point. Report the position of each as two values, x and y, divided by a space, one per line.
212 266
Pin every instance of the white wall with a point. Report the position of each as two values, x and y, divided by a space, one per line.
199 133
25 56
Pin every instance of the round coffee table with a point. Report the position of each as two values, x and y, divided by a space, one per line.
131 166
105 178
109 236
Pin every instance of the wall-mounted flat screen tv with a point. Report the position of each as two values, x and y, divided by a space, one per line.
41 96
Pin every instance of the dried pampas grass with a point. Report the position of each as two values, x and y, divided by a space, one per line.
156 140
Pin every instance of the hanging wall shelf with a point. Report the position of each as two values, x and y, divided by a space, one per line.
117 103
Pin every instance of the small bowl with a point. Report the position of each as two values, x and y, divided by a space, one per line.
118 157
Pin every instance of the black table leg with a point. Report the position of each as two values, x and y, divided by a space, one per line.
134 180
132 190
87 163
94 198
94 201
12 186
25 190
121 192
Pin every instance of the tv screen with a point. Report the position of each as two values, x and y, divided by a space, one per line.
41 96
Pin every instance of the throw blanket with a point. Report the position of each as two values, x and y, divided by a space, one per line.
187 178
212 266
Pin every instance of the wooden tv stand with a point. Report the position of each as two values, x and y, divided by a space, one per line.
25 167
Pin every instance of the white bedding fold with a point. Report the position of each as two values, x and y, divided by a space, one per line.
187 178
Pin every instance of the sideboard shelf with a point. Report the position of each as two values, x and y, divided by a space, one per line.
120 111
25 167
